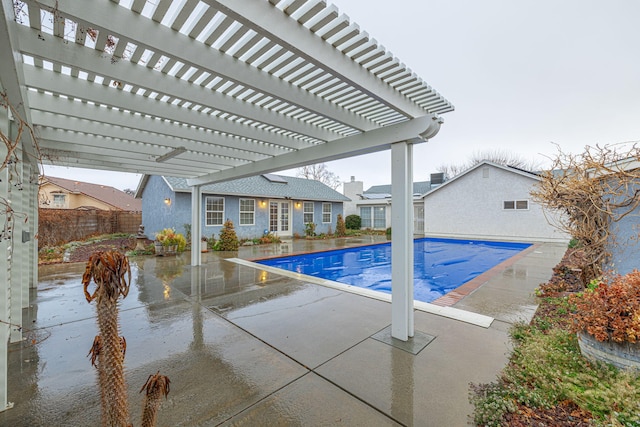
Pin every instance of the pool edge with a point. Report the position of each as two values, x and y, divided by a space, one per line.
448 312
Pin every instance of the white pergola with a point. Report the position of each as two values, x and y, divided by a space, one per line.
209 90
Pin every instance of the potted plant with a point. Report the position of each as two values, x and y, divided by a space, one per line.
169 242
204 245
606 318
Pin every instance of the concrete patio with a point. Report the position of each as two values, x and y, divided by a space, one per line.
243 346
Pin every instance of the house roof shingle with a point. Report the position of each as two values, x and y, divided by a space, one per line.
418 188
285 187
104 193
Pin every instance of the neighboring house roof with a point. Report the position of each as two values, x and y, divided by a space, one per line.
268 185
418 188
104 193
522 172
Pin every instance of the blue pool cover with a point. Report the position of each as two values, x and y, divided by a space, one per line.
440 265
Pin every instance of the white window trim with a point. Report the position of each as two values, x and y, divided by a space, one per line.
240 212
384 217
370 217
330 213
304 212
206 220
61 203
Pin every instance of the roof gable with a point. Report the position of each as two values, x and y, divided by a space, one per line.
517 171
104 193
277 186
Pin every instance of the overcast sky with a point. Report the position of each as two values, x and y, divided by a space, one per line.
522 75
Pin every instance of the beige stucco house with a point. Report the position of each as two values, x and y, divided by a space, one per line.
61 193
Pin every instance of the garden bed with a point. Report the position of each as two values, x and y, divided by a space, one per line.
547 381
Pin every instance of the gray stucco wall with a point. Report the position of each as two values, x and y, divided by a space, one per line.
156 215
625 243
472 207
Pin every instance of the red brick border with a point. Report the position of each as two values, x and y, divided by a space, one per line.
460 292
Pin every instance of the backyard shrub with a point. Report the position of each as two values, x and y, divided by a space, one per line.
310 229
547 369
610 311
228 239
341 229
353 222
268 238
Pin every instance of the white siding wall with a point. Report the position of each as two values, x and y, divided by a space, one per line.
472 207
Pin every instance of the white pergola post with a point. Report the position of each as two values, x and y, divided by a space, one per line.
402 241
22 239
15 251
196 225
33 228
5 279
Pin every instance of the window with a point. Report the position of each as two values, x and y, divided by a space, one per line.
373 217
326 212
365 217
379 220
59 200
307 214
214 210
247 211
515 204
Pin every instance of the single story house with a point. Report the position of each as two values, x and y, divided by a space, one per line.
256 205
374 205
489 201
61 193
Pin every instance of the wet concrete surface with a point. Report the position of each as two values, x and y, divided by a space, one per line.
246 347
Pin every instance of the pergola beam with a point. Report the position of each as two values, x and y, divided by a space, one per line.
269 21
146 132
99 94
125 72
160 39
11 78
414 131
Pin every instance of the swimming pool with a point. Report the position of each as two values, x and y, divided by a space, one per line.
440 265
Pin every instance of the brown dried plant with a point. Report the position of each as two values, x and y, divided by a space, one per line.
111 273
611 310
591 191
156 387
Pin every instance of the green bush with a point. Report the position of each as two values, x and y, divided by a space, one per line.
353 222
310 229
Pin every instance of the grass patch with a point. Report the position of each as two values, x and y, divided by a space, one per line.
546 369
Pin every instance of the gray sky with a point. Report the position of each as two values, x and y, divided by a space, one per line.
522 75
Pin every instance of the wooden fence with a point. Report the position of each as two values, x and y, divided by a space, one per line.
58 226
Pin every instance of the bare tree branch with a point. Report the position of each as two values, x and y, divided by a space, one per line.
593 190
319 172
500 157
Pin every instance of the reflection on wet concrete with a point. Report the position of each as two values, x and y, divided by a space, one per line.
243 346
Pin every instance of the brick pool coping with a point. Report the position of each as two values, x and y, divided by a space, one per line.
466 289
